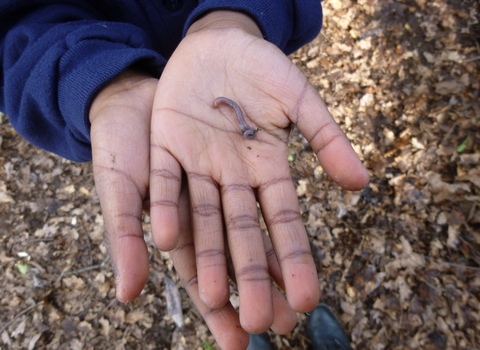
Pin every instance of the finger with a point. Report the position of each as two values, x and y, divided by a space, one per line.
209 243
279 205
121 187
223 322
165 182
285 318
333 149
273 265
248 257
122 213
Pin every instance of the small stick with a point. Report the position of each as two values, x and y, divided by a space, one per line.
472 59
88 268
28 309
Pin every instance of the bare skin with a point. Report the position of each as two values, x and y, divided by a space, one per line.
226 178
125 181
156 129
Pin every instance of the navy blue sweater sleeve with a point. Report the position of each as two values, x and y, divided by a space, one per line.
54 59
56 54
289 24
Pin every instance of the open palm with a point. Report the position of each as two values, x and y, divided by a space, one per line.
120 117
227 174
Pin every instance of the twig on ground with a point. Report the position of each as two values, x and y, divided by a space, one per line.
452 264
449 133
33 240
28 309
100 314
472 59
88 268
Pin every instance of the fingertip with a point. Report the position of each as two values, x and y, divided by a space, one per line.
165 230
256 326
166 243
357 182
165 186
213 284
226 329
303 290
306 301
307 304
363 179
285 318
256 318
125 295
129 286
344 167
131 266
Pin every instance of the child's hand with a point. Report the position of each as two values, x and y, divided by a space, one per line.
227 174
223 321
120 117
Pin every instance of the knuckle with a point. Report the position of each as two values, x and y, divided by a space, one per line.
182 248
301 256
206 210
163 203
236 188
320 140
253 273
190 282
270 253
165 174
192 176
284 217
210 253
275 182
242 222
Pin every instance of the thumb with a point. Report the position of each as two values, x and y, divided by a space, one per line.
333 149
121 199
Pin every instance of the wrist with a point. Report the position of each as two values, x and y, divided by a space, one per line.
121 88
223 19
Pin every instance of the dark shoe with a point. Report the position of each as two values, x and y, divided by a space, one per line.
260 342
324 330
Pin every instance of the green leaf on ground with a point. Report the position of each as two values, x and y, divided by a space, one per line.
463 146
22 268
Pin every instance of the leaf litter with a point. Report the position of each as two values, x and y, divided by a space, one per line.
399 262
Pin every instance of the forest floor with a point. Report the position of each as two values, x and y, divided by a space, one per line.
398 262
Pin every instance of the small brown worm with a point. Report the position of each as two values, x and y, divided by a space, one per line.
247 132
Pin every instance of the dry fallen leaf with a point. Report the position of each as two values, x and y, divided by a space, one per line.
174 302
398 261
449 87
134 316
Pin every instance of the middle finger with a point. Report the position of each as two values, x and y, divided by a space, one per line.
248 256
209 243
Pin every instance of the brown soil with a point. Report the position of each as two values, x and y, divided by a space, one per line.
399 262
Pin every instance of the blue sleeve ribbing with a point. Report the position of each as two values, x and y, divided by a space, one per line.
55 56
54 60
289 24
